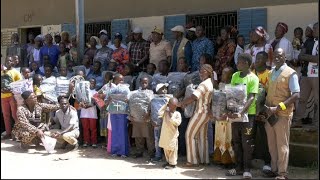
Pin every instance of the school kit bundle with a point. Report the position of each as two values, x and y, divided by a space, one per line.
18 87
139 104
119 99
189 109
156 103
175 80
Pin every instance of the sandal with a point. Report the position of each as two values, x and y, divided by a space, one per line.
281 177
247 175
190 165
233 172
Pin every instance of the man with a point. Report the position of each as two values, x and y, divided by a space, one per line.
181 48
8 103
16 49
51 50
160 49
283 90
282 42
67 118
200 46
30 46
310 84
139 51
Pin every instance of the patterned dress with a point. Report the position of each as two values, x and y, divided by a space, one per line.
225 54
29 123
121 56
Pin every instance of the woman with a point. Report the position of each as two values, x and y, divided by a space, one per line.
104 54
65 39
198 124
73 51
120 55
28 127
224 57
91 51
35 53
259 39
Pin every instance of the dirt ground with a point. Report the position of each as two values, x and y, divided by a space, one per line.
36 163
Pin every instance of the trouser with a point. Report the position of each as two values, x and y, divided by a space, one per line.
261 150
278 142
140 141
171 156
210 137
182 131
89 127
157 131
9 107
80 128
196 139
69 137
242 143
308 85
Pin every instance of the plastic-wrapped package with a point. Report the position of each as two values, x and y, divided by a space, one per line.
157 79
104 90
18 87
82 68
82 91
139 104
260 99
129 80
192 78
119 95
143 74
219 104
175 80
236 97
48 88
62 87
156 103
189 109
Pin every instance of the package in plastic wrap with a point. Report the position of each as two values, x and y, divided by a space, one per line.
82 91
139 104
236 97
189 109
143 74
175 80
119 96
18 87
77 68
260 99
62 87
156 103
219 104
157 79
192 78
129 80
48 85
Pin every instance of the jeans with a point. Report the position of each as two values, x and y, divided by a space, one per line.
157 131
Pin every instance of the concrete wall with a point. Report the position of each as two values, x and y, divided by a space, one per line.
17 13
147 24
295 15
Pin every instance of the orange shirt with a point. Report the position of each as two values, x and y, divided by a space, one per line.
263 77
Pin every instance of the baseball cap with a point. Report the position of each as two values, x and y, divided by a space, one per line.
103 31
157 30
192 29
161 85
137 30
178 28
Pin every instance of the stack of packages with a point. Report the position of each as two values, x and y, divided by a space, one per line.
18 87
48 88
189 109
62 88
129 80
156 103
219 104
82 92
192 78
139 104
143 74
119 96
175 83
157 79
236 99
99 97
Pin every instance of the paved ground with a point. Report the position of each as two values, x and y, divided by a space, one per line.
96 164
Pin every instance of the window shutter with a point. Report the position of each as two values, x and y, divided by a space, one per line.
121 26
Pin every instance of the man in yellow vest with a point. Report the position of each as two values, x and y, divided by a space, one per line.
181 48
283 90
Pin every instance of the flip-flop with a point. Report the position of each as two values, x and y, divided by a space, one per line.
190 165
233 172
247 175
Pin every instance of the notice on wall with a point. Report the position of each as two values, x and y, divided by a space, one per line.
6 36
51 29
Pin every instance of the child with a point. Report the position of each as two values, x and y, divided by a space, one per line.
57 39
162 76
89 118
169 132
95 73
151 69
223 133
240 47
143 131
46 61
86 62
206 59
128 75
37 80
70 72
17 63
182 65
112 66
297 44
63 73
35 68
64 55
26 74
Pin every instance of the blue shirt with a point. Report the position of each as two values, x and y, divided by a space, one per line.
53 53
199 47
187 55
97 77
293 80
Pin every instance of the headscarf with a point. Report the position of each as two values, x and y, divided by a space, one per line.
283 26
208 68
38 38
262 32
118 36
97 40
26 94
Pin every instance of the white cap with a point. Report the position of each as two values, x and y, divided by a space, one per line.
137 30
178 28
310 26
192 29
160 85
103 31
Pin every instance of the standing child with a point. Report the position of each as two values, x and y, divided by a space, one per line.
64 55
89 118
26 74
240 48
169 132
297 44
151 69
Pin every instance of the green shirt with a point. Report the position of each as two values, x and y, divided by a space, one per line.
252 83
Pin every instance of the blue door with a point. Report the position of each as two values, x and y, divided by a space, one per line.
170 22
121 26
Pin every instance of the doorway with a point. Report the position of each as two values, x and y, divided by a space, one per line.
24 32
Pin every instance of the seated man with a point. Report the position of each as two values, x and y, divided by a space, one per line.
67 118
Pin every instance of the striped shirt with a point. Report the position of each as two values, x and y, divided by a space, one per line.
204 95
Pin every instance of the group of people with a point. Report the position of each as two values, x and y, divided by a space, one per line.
233 139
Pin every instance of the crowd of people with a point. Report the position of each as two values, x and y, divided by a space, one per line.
282 72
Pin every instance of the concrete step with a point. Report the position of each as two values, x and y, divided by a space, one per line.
303 135
303 155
